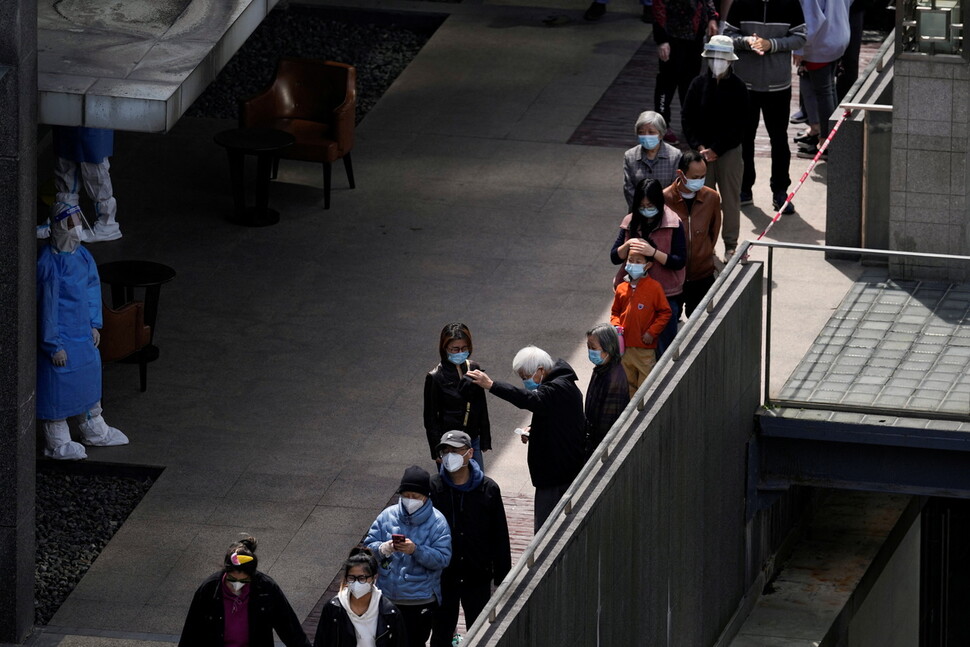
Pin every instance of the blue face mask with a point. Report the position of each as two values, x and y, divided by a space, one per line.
458 358
694 185
531 384
648 212
649 142
635 270
595 357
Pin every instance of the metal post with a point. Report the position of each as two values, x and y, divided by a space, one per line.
863 211
771 257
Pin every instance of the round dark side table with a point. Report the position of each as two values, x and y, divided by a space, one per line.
264 144
123 277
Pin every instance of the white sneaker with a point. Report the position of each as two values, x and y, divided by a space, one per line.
101 232
96 433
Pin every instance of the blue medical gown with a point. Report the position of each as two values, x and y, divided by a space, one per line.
68 307
80 144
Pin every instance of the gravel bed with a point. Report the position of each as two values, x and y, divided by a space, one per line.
378 48
76 517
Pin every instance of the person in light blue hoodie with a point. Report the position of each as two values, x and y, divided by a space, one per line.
827 23
413 542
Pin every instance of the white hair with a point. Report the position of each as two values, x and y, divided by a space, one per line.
655 119
530 359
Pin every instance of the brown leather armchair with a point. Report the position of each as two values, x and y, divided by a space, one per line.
314 101
124 334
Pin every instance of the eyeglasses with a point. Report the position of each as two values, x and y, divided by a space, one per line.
244 580
456 349
358 578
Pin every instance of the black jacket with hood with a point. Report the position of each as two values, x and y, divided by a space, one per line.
558 425
268 610
480 544
337 630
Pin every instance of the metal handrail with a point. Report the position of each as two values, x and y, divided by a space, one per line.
623 424
877 64
766 366
602 452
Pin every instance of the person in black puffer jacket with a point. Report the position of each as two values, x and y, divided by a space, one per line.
558 431
359 615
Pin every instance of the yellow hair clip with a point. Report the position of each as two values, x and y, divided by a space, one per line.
239 560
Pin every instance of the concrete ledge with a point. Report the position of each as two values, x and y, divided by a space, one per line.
140 70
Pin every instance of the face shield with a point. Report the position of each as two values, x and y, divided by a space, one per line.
67 224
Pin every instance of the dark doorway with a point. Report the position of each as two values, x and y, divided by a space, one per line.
945 573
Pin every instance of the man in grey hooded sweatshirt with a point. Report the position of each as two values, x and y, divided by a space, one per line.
764 33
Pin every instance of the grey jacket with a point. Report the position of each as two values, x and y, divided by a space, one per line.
637 166
782 23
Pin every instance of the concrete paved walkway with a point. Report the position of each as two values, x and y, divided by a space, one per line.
287 398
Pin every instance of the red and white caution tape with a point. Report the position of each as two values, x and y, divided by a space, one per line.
818 155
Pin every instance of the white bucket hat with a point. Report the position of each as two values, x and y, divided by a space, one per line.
720 47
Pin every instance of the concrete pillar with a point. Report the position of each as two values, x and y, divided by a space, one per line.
928 197
18 172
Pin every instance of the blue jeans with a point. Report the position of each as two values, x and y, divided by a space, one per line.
479 455
823 83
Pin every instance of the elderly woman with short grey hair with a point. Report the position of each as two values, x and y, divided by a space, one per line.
608 392
652 157
558 429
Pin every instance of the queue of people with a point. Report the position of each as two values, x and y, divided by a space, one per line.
445 542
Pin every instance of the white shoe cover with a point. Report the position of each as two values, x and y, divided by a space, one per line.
59 444
101 232
96 433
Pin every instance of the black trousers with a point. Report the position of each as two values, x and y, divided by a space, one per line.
676 73
773 106
472 590
694 291
418 620
849 63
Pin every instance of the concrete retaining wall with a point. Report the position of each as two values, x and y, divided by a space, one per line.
18 262
657 550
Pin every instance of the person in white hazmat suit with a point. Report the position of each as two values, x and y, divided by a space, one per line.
82 160
68 322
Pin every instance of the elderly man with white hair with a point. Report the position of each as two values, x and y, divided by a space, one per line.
652 157
558 429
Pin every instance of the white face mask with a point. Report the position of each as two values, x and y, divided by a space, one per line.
453 462
237 586
719 67
359 589
67 241
411 505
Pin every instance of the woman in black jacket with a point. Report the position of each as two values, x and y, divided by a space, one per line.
451 400
359 615
241 606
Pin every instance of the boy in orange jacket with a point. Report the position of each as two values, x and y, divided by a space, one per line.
640 306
